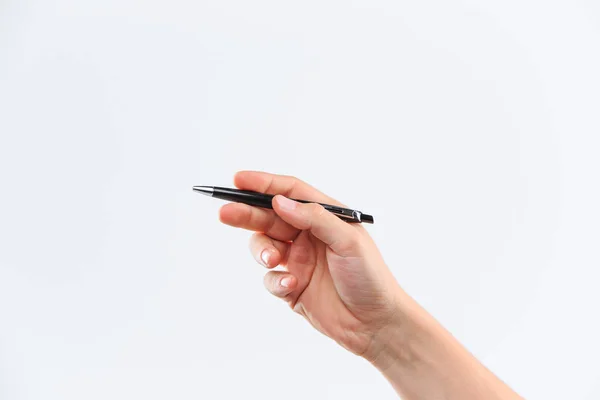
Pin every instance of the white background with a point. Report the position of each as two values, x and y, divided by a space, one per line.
473 125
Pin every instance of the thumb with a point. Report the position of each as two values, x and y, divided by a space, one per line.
325 226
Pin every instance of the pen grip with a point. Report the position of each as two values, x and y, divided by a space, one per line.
244 196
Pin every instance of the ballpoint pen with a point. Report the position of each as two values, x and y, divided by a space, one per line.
265 201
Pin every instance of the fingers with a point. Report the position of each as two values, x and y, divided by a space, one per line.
257 219
267 251
270 253
325 226
287 186
280 283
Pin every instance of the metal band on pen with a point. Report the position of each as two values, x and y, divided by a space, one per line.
345 213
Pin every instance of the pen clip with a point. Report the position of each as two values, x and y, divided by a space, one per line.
345 213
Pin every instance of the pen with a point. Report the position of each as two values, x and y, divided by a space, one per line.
265 201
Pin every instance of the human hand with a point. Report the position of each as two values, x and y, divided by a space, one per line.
334 274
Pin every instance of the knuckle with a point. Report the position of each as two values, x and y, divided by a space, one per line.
271 224
249 215
294 182
291 178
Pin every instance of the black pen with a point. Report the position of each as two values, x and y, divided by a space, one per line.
265 201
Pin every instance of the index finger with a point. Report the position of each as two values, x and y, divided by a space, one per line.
285 185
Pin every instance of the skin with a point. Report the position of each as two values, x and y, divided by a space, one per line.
336 278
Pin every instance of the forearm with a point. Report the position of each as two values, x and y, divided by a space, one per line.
424 361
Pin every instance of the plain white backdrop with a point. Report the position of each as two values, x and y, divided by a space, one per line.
468 129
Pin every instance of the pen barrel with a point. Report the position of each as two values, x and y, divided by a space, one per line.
266 201
244 196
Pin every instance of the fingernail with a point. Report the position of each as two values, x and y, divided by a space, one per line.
286 282
286 203
265 256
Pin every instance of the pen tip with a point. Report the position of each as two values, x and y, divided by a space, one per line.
206 190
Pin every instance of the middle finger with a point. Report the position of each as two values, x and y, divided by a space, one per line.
257 219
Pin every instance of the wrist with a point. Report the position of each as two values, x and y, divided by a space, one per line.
423 360
398 341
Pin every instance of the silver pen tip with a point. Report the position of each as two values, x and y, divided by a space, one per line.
206 190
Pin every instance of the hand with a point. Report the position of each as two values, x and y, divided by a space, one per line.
336 278
334 274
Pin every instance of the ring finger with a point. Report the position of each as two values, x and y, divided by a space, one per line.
267 251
